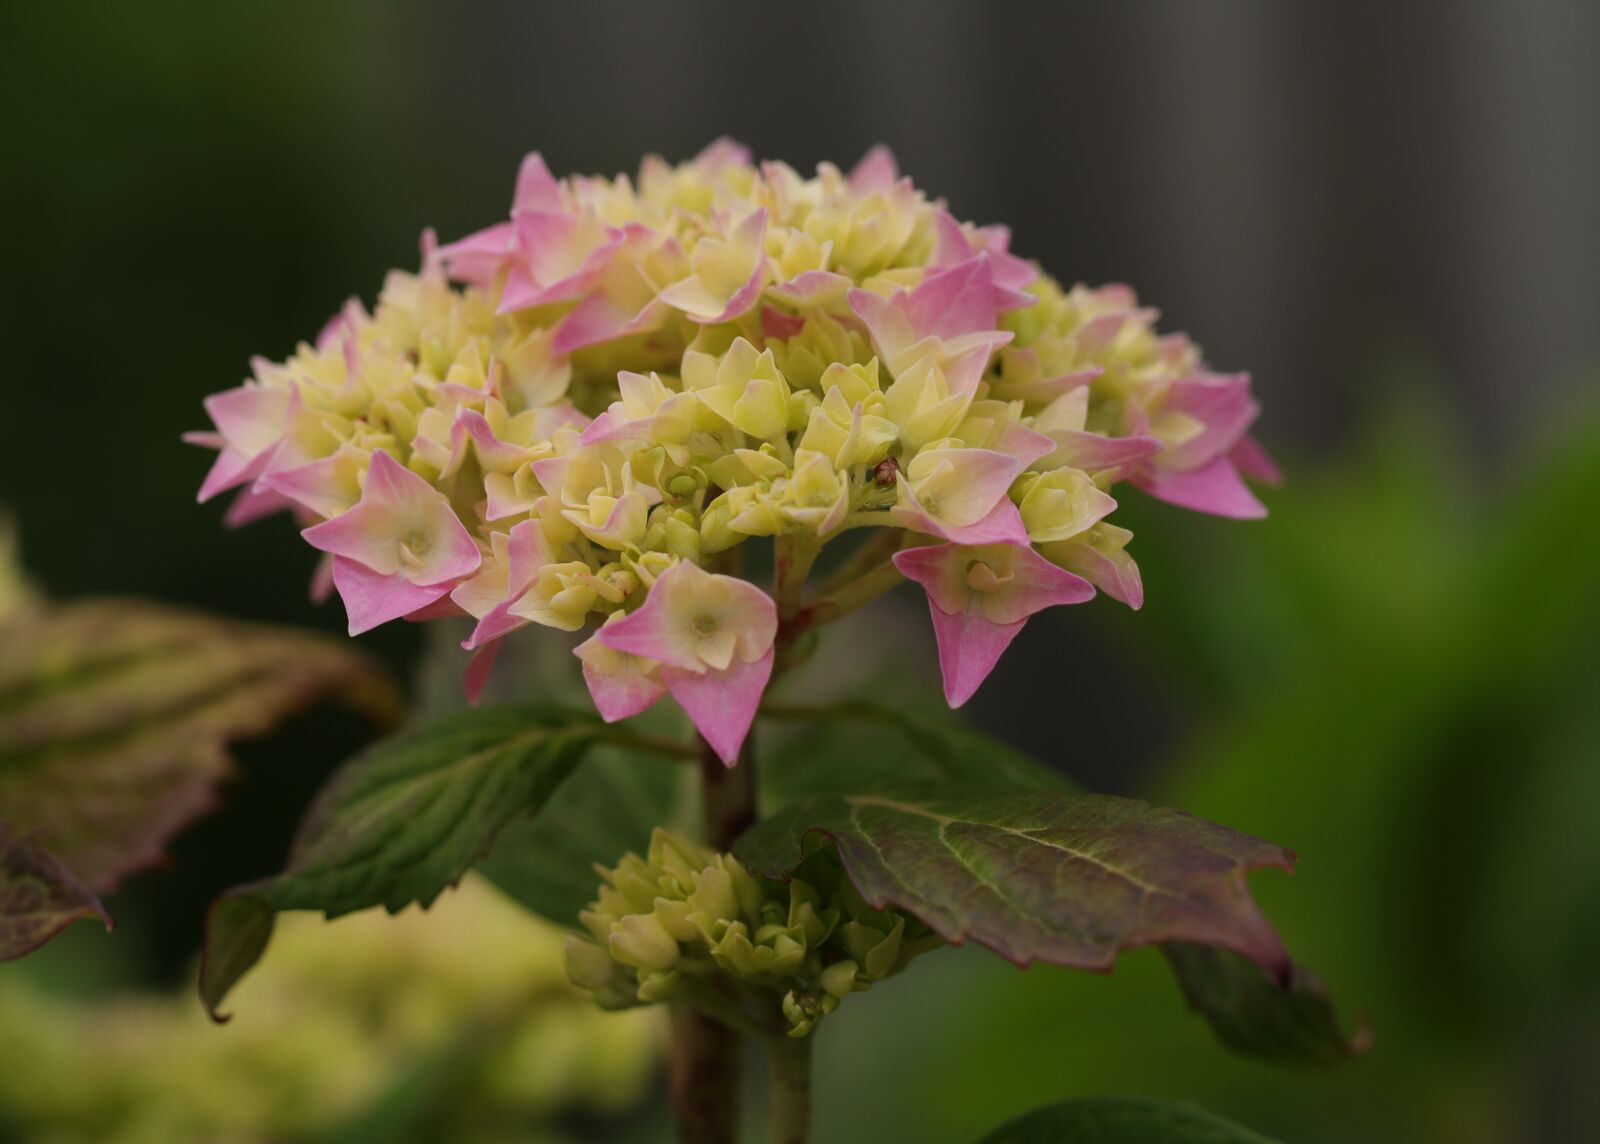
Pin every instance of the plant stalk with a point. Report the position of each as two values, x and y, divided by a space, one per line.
706 1053
705 1078
789 1088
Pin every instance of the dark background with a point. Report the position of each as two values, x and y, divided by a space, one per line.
1390 214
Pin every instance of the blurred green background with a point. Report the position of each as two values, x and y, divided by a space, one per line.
1396 675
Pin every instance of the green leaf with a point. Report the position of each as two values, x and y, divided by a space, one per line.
607 809
115 717
1037 875
1107 1120
400 823
1290 1022
857 746
38 896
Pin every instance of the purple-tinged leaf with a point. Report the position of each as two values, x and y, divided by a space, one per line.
38 896
1289 1021
115 717
1038 875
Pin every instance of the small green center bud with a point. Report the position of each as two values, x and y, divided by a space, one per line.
682 486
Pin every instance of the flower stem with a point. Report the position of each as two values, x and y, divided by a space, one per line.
843 600
728 793
706 1052
789 1088
867 555
705 1078
794 553
649 744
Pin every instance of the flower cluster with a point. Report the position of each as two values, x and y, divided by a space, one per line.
576 417
685 923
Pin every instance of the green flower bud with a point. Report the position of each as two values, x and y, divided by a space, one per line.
804 1010
588 965
591 968
683 485
658 984
683 912
804 913
674 916
839 979
715 898
640 940
877 952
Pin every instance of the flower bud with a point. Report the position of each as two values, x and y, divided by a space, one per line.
640 940
682 912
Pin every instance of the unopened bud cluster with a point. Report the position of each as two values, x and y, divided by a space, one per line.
685 923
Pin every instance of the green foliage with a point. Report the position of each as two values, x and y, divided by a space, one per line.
853 747
1111 1121
608 808
38 896
400 823
1035 875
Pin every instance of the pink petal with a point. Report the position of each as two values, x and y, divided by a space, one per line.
776 324
1093 453
250 418
748 235
1010 273
810 288
965 369
1255 462
1035 584
969 647
1047 389
1214 488
1026 445
656 629
947 305
721 704
953 302
312 486
974 627
493 453
537 188
477 258
253 504
721 153
444 608
230 470
598 319
1003 525
1098 333
371 599
547 270
618 696
1115 574
1222 403
877 171
479 667
321 586
365 532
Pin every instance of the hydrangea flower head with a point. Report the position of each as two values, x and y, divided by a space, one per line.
580 415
